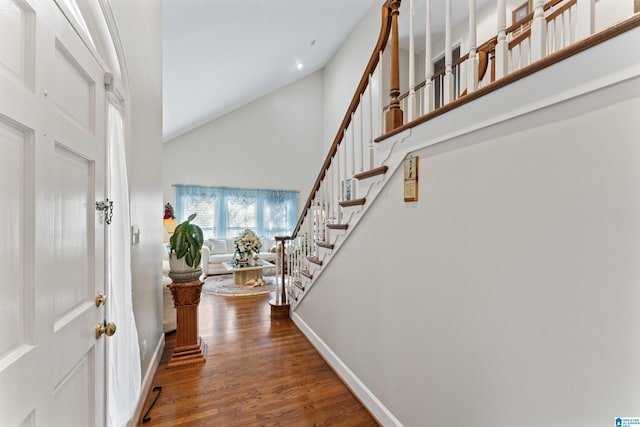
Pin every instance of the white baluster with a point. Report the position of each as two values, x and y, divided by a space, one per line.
309 236
353 144
560 33
472 61
574 24
538 31
501 46
428 62
448 76
297 257
321 213
345 161
361 119
370 88
336 199
380 97
585 18
331 188
412 78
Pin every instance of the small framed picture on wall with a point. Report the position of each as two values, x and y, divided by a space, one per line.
520 12
411 179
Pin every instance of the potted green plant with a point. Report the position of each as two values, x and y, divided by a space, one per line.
185 247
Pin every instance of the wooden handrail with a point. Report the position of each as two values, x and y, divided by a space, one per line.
385 30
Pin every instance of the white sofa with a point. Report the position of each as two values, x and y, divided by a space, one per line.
217 251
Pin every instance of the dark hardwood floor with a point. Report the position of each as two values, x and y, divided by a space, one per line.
258 372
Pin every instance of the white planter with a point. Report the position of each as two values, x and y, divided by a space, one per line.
178 265
179 271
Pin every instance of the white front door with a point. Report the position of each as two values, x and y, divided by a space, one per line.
52 170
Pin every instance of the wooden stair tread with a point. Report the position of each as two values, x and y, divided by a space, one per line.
326 245
354 202
292 296
337 226
298 284
306 274
372 172
315 260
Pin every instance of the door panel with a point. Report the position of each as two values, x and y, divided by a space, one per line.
52 170
13 148
17 48
75 92
74 216
73 396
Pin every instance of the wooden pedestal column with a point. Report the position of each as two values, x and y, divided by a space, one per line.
279 304
189 346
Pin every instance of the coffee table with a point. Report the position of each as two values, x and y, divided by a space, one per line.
242 274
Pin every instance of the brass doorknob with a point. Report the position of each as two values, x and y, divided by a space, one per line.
105 328
101 299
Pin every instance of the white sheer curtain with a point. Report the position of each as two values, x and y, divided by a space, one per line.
123 371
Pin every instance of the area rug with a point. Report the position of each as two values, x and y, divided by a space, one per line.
223 285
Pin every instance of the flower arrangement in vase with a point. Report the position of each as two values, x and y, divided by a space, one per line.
246 244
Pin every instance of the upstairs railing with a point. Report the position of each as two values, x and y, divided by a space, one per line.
539 32
482 65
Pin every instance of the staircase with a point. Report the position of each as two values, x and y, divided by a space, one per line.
368 144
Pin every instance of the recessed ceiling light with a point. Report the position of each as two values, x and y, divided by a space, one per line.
300 66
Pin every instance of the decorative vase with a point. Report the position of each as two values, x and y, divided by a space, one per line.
242 261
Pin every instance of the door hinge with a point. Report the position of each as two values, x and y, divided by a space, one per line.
106 209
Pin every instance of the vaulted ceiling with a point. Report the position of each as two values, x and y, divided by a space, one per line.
219 55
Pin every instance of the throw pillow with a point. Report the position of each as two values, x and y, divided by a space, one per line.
219 247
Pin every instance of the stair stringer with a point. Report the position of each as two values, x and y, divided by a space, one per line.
392 153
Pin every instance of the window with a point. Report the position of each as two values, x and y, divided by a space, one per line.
205 208
241 212
223 212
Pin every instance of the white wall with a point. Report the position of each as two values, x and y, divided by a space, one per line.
273 142
508 294
611 11
344 71
140 28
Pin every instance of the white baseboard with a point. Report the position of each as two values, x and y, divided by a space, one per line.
368 399
147 381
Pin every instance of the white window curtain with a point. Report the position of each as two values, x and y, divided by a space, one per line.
223 212
123 352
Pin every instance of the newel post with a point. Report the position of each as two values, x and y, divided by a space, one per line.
279 304
538 31
472 62
394 115
501 43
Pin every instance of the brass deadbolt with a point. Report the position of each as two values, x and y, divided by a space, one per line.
101 299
